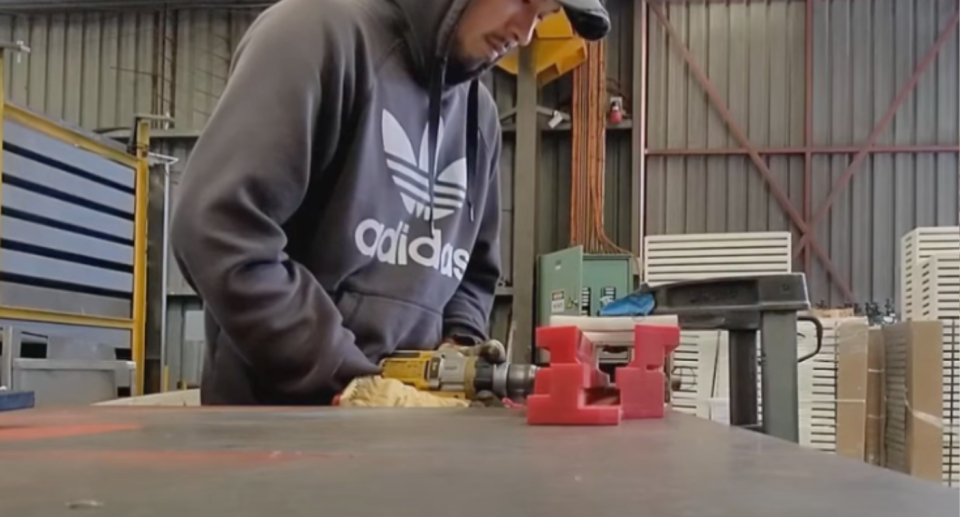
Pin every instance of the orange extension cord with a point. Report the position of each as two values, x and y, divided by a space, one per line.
589 121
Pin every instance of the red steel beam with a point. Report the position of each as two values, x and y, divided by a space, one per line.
808 126
881 126
801 151
741 137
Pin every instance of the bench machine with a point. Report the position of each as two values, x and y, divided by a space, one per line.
744 307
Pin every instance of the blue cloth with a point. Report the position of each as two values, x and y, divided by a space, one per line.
638 303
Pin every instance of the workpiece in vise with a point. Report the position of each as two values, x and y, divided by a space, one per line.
572 390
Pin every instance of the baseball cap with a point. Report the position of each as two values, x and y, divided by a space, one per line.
589 18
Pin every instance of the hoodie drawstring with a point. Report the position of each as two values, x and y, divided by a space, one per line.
473 135
437 80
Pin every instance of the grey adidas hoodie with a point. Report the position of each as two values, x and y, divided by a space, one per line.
316 224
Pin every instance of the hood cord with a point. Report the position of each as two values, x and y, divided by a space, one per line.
437 78
472 134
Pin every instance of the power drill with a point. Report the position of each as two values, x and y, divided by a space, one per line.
449 372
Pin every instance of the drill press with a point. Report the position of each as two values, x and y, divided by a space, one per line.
746 307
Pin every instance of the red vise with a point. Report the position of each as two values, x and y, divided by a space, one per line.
572 390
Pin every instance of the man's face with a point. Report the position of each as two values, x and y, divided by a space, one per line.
489 29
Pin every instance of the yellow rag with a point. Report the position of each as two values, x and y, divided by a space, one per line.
376 391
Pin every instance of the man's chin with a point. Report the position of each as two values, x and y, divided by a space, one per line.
471 62
467 65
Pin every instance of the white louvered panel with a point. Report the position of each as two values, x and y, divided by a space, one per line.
915 247
675 258
687 399
895 374
817 382
939 287
951 402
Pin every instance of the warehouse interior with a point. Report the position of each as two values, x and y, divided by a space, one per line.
701 140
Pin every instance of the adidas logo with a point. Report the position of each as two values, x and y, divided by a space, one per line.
411 173
393 243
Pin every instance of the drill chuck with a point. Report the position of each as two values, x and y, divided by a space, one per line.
514 381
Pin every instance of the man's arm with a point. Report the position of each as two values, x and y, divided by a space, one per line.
467 313
292 79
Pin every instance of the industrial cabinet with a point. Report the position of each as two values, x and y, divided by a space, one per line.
571 282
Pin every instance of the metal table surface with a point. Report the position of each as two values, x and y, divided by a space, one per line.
158 462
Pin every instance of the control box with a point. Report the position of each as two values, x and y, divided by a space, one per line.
572 283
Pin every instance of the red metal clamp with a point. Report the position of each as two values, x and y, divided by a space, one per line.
572 390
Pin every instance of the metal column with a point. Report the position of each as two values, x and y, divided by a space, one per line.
154 364
742 355
525 198
781 406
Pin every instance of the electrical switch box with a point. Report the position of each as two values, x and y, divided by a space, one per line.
572 283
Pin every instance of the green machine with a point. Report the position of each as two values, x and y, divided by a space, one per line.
572 283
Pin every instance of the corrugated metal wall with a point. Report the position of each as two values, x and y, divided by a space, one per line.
753 53
100 68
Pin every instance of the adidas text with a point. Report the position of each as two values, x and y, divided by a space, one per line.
394 245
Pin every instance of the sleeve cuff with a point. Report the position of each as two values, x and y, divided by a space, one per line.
463 337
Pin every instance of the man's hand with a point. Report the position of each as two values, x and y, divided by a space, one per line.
491 351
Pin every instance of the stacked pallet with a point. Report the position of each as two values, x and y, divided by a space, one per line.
675 258
939 288
916 247
931 294
896 344
950 448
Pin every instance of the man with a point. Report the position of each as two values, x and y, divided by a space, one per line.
343 201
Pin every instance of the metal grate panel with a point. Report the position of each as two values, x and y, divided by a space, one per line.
951 402
674 258
939 287
895 372
917 246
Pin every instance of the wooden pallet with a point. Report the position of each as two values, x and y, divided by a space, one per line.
951 402
674 258
939 287
917 246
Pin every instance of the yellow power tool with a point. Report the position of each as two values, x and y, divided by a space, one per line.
450 372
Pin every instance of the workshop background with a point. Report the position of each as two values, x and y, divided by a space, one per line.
835 121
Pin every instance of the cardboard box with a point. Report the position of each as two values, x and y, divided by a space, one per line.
859 391
876 399
914 388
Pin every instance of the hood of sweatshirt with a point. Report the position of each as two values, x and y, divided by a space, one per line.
428 28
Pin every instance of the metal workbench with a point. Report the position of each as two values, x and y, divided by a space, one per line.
152 462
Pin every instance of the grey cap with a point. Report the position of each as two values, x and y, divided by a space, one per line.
589 18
